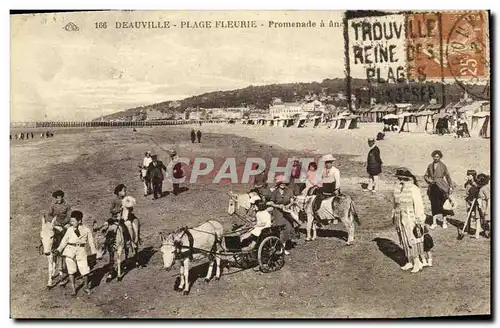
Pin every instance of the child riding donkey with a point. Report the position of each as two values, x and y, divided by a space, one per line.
122 217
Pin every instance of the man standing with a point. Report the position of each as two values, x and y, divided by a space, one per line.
198 135
177 172
193 136
144 173
330 182
373 165
155 173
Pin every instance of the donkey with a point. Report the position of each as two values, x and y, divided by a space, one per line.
241 203
51 238
333 208
115 244
188 244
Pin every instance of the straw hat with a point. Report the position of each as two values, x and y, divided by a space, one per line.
327 158
128 202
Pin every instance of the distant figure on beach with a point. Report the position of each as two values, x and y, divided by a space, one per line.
48 134
200 123
27 135
42 135
32 135
198 135
22 135
193 136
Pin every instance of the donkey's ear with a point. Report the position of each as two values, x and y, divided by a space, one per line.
43 219
53 220
162 238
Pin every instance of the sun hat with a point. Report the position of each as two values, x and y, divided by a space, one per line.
327 158
128 202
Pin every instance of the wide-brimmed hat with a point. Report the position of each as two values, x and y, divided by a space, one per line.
172 152
371 140
327 158
58 193
153 156
254 198
295 159
128 202
403 172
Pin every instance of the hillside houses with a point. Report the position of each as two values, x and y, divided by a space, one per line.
280 109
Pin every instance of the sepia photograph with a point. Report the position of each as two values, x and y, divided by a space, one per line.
285 164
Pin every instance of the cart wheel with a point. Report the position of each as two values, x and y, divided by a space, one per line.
242 260
271 254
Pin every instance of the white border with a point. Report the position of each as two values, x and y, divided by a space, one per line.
186 4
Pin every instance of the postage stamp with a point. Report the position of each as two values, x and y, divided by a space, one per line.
250 164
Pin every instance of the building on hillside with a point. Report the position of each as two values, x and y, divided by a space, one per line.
286 110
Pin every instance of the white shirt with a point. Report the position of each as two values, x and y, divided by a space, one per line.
146 162
331 175
263 221
71 237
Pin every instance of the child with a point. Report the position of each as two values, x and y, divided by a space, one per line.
484 204
73 246
428 246
60 210
471 193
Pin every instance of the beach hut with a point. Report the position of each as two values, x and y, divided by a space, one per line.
480 126
404 122
424 121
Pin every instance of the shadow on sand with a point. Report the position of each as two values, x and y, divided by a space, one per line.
391 250
143 258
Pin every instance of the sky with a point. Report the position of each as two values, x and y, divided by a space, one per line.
81 75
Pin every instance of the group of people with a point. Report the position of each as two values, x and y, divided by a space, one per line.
72 236
152 174
31 135
275 198
195 135
409 216
408 212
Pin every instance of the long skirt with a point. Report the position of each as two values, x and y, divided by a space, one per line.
437 198
404 227
288 232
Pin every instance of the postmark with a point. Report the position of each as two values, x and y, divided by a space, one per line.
396 55
467 51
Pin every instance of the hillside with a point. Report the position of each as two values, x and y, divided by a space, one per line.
260 97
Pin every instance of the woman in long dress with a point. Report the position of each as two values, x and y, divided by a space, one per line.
409 216
440 188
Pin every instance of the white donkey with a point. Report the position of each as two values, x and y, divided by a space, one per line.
51 237
188 244
331 209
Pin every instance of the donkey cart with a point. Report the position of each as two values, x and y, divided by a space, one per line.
268 254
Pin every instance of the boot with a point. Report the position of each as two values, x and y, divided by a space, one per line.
86 287
445 224
434 222
425 263
407 266
478 229
72 283
417 266
429 261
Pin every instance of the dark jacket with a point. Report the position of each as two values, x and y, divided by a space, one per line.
156 171
374 162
